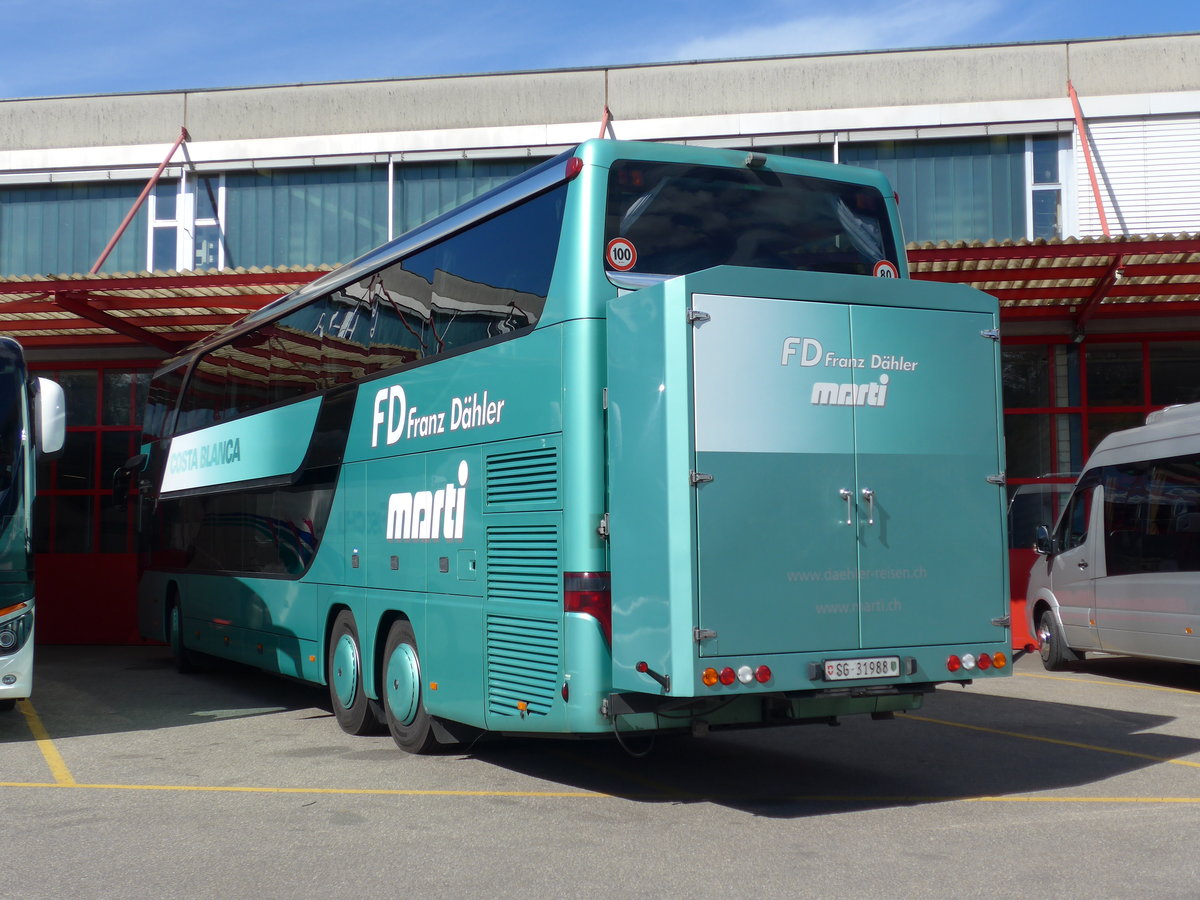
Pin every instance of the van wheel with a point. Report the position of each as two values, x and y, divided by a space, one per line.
1056 655
403 705
7 705
356 712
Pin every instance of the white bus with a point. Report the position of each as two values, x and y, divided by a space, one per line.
32 414
1120 573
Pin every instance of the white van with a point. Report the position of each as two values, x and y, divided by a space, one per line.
1121 571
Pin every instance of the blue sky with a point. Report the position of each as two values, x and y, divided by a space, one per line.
58 47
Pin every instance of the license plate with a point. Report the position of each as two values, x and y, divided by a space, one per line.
869 667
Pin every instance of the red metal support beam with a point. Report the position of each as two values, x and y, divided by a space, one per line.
1087 155
1103 286
78 303
137 204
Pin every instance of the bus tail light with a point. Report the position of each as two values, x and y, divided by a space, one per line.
590 593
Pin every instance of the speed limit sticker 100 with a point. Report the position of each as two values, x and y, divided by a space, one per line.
620 254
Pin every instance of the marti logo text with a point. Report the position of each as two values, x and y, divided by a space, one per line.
808 352
429 515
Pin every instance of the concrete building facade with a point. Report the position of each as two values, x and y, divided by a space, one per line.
984 145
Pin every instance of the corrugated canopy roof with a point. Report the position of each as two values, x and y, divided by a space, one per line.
164 309
1072 280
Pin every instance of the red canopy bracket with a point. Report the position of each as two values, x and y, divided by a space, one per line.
79 303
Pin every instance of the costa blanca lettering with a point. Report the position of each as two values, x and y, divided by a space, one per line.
398 419
219 453
429 515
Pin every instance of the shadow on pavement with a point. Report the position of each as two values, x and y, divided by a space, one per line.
962 744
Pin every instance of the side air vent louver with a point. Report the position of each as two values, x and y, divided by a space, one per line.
522 563
522 666
522 479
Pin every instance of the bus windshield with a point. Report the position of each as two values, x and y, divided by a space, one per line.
12 375
667 219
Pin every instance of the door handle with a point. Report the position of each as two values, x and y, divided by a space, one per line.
869 496
1082 564
848 497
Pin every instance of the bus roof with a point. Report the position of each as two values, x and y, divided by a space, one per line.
535 181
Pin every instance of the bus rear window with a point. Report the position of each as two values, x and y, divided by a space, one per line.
667 219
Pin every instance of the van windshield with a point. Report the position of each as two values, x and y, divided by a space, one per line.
667 219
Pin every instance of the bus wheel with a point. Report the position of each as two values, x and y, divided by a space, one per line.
1056 655
185 659
402 704
356 712
8 704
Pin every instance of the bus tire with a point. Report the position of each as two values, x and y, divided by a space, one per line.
8 704
403 704
1056 655
185 659
356 712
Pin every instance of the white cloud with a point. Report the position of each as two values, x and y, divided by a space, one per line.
870 26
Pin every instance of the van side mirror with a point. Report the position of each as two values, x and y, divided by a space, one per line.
1042 542
50 417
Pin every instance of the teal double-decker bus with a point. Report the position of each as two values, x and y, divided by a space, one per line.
32 419
651 438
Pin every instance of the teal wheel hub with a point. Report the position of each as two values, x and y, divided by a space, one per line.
403 684
345 670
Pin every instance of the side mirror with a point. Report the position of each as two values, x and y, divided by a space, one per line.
122 479
50 417
1042 542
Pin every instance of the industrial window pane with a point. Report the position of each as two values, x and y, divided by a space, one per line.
206 189
1114 375
1045 160
1174 373
208 239
73 524
960 189
166 200
304 216
76 467
118 397
1028 440
63 228
426 190
1026 376
821 152
164 256
1047 213
80 390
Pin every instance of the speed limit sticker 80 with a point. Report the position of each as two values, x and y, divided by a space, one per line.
620 254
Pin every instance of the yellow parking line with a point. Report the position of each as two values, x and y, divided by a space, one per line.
1093 681
1058 741
58 768
592 795
378 792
